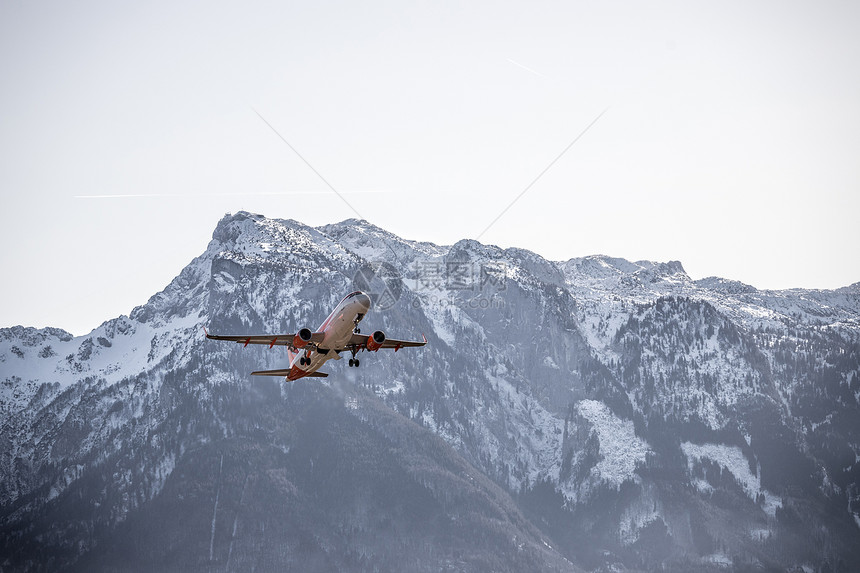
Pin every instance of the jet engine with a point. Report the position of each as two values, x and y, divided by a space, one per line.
301 339
375 340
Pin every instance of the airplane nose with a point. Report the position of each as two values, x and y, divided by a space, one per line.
364 301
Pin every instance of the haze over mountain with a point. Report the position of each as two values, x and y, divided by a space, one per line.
590 414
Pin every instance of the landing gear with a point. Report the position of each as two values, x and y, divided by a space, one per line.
305 360
354 349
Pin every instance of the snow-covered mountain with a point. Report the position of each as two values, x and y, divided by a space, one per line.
585 414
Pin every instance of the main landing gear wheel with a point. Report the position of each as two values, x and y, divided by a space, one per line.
351 362
354 362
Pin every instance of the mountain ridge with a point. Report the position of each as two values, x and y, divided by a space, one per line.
614 402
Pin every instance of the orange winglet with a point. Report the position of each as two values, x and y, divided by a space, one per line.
247 342
271 344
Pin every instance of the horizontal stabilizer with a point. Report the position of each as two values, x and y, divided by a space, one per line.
284 372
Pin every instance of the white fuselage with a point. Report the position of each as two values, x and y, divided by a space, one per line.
338 329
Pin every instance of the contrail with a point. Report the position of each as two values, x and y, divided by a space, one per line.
276 194
526 68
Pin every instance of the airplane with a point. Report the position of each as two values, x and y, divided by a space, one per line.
308 351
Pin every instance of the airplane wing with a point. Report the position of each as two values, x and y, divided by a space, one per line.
268 339
286 371
359 340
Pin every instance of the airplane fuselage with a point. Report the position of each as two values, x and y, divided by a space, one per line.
338 329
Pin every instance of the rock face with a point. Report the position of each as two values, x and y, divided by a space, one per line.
594 413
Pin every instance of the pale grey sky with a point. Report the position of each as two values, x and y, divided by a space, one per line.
731 140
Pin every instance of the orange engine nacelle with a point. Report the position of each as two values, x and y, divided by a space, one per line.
301 339
375 340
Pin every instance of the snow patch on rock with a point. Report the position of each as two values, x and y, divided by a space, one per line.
732 459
